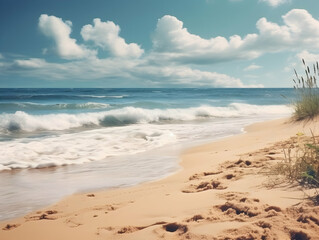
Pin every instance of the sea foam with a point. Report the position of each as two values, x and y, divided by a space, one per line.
40 106
25 122
116 132
81 147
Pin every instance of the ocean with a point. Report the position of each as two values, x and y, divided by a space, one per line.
55 142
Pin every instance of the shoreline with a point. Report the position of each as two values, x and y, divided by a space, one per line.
151 210
56 183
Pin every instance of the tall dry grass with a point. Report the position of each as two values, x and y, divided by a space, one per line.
306 104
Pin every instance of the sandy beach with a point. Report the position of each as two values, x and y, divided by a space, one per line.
221 192
147 120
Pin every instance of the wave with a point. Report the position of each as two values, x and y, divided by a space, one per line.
29 97
103 96
22 121
39 106
81 147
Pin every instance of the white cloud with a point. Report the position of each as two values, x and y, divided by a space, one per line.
309 57
174 55
275 3
300 31
252 67
162 66
172 41
106 36
295 62
182 75
139 71
1 56
59 31
30 63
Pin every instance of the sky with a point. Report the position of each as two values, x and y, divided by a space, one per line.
156 43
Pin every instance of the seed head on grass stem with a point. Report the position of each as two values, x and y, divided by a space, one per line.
306 104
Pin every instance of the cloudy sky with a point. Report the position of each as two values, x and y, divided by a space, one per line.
149 43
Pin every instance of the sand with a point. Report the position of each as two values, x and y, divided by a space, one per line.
222 192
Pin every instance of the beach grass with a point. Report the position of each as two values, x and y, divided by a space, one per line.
306 104
301 163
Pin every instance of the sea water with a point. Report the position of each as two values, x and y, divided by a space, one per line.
55 142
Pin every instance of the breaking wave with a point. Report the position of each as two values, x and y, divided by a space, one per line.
22 121
81 147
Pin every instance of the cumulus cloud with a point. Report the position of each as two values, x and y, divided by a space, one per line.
127 61
106 36
252 67
300 31
275 3
66 47
175 54
173 41
176 42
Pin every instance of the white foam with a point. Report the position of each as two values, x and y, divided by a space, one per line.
22 121
100 144
88 105
30 105
93 105
104 96
81 147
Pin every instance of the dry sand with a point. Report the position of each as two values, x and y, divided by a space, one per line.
220 193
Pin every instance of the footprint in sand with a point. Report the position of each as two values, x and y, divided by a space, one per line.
175 227
299 235
47 215
204 186
239 205
203 174
131 229
10 226
195 218
257 162
308 218
231 208
263 224
229 176
107 207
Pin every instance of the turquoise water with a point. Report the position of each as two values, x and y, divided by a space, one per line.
55 142
83 100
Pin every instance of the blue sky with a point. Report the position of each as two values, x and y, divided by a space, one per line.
148 43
